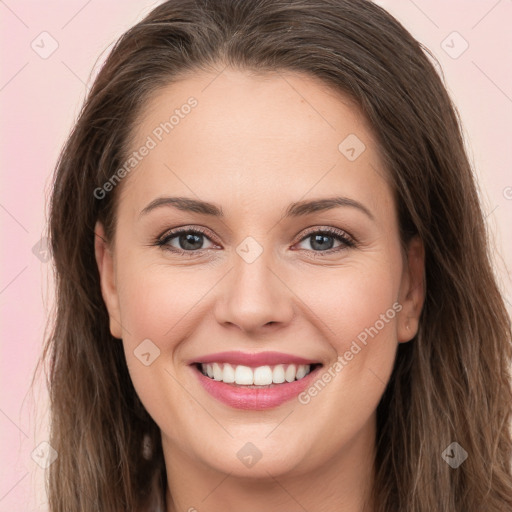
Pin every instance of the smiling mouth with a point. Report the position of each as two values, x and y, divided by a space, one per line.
255 377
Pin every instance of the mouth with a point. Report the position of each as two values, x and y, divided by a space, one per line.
260 377
255 388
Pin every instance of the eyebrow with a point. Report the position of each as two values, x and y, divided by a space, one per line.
296 209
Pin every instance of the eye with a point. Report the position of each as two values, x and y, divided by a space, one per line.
184 240
189 241
322 240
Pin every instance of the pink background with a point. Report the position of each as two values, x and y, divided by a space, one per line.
40 99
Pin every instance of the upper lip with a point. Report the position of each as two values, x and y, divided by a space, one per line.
253 359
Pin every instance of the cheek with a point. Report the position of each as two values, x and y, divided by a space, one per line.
154 300
351 300
357 313
367 310
159 309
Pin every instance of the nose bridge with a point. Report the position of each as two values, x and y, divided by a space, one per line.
253 296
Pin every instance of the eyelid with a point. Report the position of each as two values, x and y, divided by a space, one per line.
331 231
179 229
172 233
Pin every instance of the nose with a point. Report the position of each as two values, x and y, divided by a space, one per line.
254 297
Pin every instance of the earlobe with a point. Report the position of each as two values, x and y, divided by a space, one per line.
412 291
105 263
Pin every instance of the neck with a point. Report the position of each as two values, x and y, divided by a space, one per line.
342 482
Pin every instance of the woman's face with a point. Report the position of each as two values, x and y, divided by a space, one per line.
279 159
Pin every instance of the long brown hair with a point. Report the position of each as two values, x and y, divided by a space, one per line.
451 383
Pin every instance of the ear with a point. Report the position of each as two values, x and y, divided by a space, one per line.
412 291
105 262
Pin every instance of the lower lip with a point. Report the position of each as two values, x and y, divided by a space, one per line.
243 397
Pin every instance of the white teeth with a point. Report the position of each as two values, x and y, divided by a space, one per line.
301 372
244 375
217 371
290 373
228 374
260 376
278 374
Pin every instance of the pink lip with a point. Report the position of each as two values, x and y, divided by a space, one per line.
243 397
252 360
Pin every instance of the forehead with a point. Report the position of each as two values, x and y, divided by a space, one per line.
239 136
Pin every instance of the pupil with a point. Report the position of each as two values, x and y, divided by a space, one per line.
187 241
321 241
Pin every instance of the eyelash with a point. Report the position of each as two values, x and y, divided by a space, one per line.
163 240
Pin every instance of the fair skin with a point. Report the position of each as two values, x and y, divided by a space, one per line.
253 145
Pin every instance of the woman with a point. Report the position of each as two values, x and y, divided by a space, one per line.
274 289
